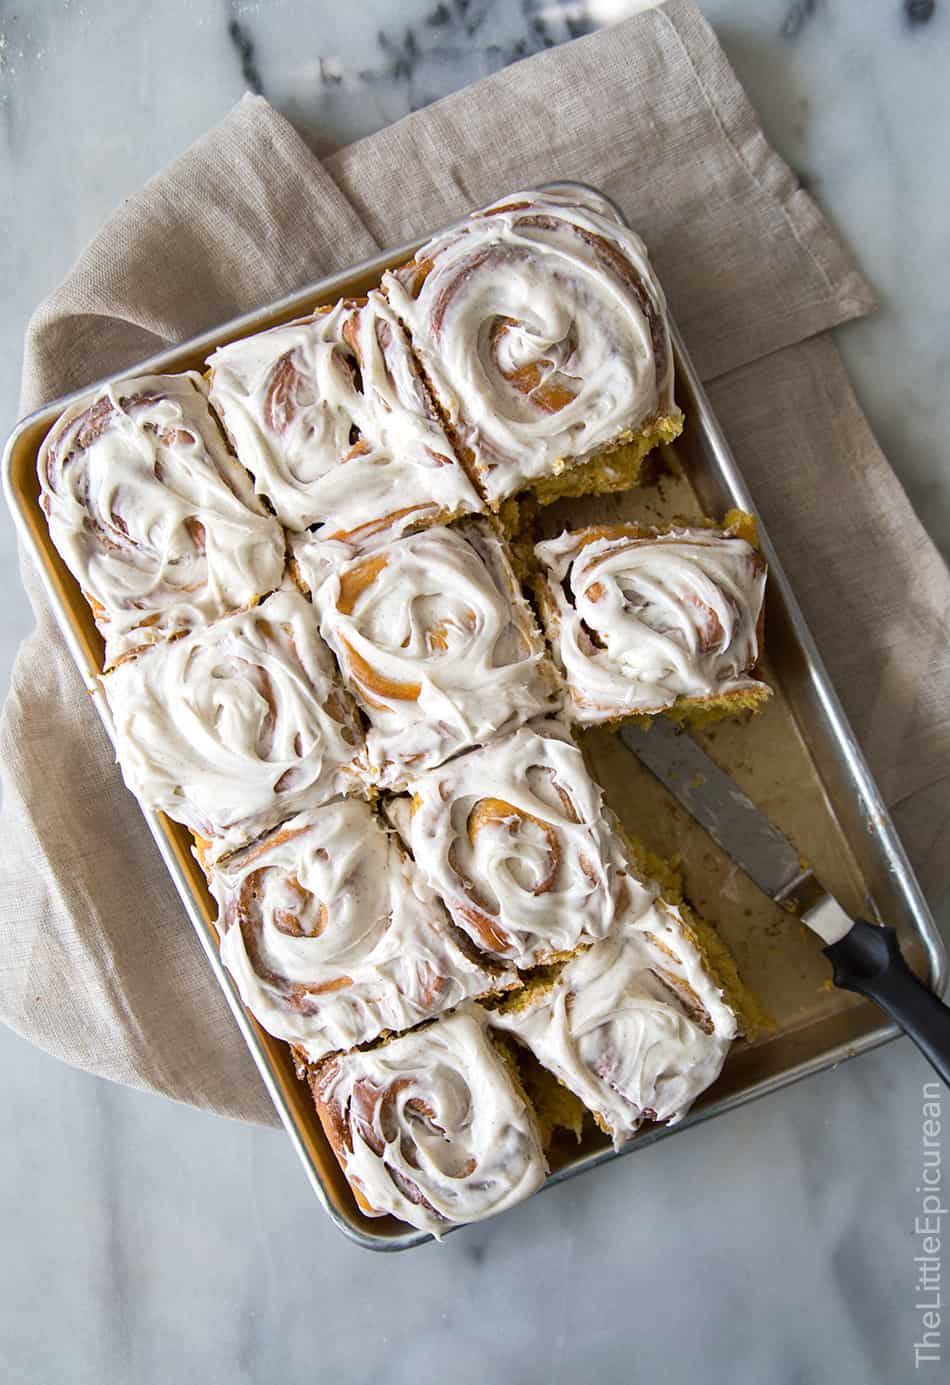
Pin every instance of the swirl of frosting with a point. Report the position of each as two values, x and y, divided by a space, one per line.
430 1126
542 329
333 936
330 415
235 728
151 514
635 1026
639 619
436 643
514 838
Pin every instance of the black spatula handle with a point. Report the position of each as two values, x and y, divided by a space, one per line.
868 960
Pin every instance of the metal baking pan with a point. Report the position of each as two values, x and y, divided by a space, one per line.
798 759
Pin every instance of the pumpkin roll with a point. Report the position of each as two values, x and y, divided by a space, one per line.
515 839
436 642
643 620
431 1126
154 518
636 1026
332 418
236 728
542 330
332 935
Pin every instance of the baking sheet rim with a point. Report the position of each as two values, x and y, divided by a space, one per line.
338 284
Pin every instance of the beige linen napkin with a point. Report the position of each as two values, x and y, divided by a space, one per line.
98 963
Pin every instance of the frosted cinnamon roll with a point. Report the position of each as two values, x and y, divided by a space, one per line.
333 936
643 621
235 728
431 1126
541 327
151 514
514 838
636 1026
330 415
436 643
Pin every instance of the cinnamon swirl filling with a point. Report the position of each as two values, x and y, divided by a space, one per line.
236 728
430 1126
333 419
436 643
333 936
641 620
514 838
542 328
153 517
635 1026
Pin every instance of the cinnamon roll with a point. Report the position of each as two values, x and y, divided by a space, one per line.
436 643
542 329
235 728
333 936
330 415
514 838
644 621
636 1026
431 1126
151 514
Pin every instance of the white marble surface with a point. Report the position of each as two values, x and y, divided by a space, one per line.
145 1242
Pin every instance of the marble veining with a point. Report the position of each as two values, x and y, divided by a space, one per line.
145 1241
919 11
243 46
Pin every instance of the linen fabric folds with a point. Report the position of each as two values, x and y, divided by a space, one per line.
99 964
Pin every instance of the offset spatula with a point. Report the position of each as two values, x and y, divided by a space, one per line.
865 958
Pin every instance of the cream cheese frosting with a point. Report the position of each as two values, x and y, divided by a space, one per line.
436 643
330 415
430 1126
542 327
154 518
333 936
639 619
634 1025
235 728
514 838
